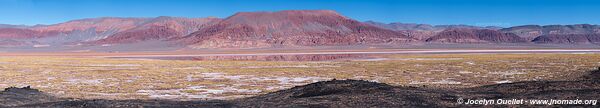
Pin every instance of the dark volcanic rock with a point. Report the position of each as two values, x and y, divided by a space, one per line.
21 96
343 93
592 75
474 36
27 97
290 28
356 93
132 104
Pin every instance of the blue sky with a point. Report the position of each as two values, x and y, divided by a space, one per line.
437 12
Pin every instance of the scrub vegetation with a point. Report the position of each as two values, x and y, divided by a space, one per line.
112 78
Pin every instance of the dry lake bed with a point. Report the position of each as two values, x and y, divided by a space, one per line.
231 76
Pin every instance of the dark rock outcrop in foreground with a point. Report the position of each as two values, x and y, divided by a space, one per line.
20 96
27 97
347 93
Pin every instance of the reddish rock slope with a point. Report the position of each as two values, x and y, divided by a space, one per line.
160 28
19 33
290 28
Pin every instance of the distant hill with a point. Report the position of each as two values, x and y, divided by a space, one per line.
291 28
475 36
106 30
530 32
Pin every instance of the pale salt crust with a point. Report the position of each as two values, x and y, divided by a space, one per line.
217 91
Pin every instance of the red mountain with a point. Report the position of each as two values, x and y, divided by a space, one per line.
19 33
106 30
97 24
295 28
150 33
290 28
76 30
161 28
474 36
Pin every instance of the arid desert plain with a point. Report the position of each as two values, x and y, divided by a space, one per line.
227 75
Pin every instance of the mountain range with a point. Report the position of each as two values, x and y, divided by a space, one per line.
290 28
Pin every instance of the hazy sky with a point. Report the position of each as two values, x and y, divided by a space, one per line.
471 12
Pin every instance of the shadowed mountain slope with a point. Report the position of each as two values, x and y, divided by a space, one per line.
568 39
475 36
530 32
